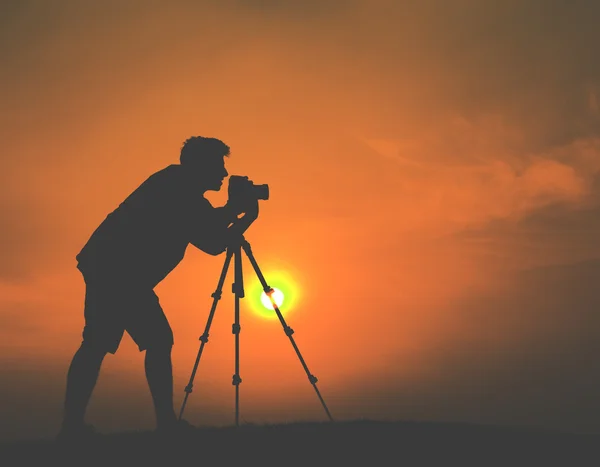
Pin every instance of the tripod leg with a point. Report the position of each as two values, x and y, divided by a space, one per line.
238 290
204 337
288 331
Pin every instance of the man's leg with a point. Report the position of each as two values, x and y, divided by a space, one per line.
159 373
150 329
101 334
81 380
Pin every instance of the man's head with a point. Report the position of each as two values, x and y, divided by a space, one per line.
204 159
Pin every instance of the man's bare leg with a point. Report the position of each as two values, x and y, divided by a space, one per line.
159 373
81 380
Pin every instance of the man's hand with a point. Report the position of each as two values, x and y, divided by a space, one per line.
251 210
241 224
215 230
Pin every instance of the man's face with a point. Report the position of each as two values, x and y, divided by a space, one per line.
213 174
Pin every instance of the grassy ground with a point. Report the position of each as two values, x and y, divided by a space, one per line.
367 443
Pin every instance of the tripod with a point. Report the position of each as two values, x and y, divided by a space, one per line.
235 250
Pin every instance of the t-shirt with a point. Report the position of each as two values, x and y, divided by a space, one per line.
147 235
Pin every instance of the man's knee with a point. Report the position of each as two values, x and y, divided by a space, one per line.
159 340
93 350
158 346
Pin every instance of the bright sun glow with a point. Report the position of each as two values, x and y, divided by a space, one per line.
277 297
286 292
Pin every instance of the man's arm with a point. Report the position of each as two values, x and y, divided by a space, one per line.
219 227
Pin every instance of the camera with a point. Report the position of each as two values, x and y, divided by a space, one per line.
241 189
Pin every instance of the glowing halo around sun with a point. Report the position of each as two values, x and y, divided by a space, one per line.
285 293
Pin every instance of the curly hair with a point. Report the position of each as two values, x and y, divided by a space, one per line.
199 149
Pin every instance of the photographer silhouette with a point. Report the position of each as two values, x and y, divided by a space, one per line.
134 249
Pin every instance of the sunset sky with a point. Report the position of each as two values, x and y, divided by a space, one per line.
434 170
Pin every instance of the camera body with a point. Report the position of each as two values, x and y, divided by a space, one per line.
242 190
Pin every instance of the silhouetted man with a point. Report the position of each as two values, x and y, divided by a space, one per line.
131 251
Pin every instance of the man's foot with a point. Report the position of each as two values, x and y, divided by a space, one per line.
76 433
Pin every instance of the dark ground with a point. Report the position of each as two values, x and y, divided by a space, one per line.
368 443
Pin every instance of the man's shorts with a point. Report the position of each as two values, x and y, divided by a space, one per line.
115 306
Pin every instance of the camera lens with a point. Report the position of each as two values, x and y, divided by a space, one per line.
262 191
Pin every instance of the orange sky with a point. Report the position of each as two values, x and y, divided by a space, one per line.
433 171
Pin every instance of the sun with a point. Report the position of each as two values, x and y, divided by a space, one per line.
286 293
277 298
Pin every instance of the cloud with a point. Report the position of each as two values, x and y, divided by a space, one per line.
468 173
